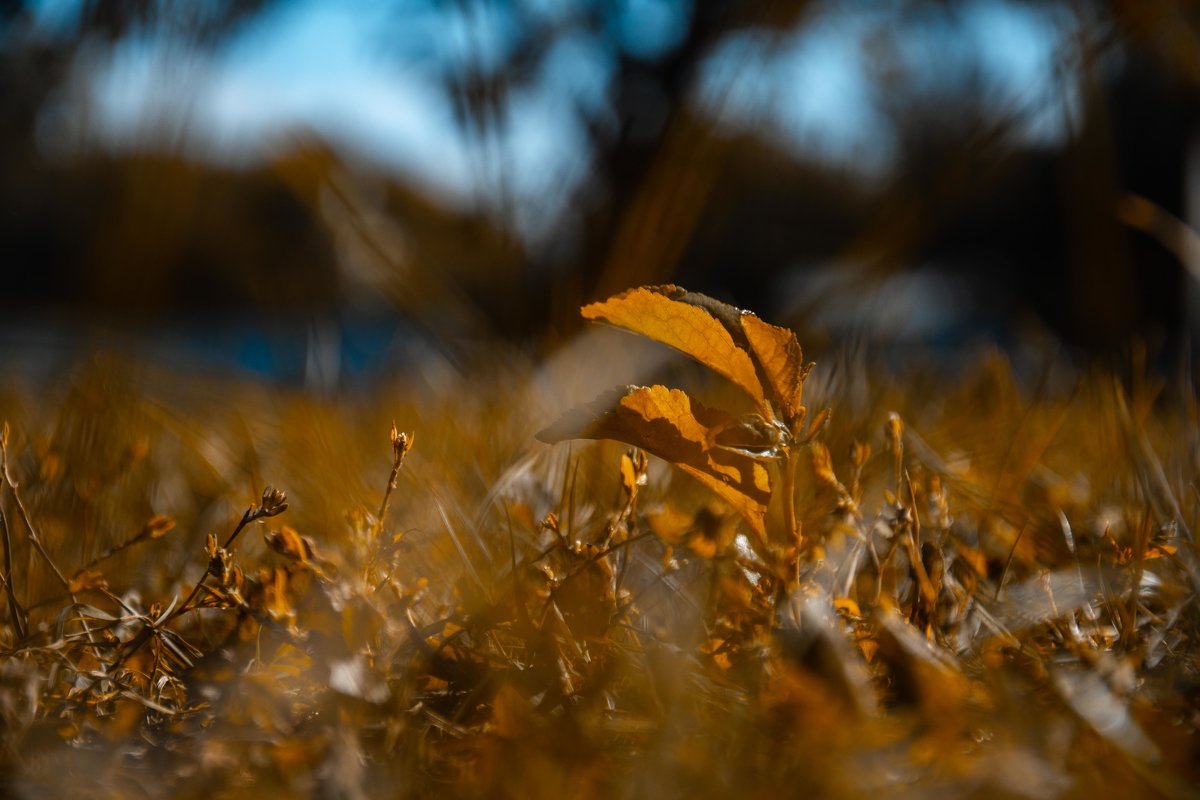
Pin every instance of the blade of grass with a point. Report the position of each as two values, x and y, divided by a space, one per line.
462 553
14 608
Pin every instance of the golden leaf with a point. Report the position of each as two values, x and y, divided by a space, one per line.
290 544
823 465
848 606
703 546
711 532
633 471
669 525
689 325
158 526
672 426
782 362
275 595
86 579
818 422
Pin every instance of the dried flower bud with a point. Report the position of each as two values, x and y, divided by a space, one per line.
894 428
219 560
401 443
274 501
224 567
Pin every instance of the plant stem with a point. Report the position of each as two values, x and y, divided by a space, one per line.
387 494
31 531
14 608
249 516
795 538
401 444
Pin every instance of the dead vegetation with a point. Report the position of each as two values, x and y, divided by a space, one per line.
974 591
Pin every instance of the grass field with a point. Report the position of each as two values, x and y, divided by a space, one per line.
988 588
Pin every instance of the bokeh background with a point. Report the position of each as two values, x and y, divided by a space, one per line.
313 191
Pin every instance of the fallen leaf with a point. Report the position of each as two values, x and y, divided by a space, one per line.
354 678
811 636
1094 701
922 673
1049 596
658 313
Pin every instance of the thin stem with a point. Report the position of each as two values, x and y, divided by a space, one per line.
141 536
31 531
14 608
251 515
387 493
795 537
401 444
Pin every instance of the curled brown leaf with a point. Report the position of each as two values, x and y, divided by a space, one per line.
673 426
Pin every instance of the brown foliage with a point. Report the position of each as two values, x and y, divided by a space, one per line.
965 616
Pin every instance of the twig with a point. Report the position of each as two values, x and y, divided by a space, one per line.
156 527
1008 562
23 513
31 531
401 444
273 502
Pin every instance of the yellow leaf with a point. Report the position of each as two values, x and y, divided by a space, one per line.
703 546
691 326
633 471
87 579
782 362
847 605
818 422
158 526
1158 551
823 465
669 525
672 426
290 544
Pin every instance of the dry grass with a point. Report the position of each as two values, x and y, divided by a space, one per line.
997 596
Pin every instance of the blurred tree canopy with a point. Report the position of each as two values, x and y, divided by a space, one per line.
1085 229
